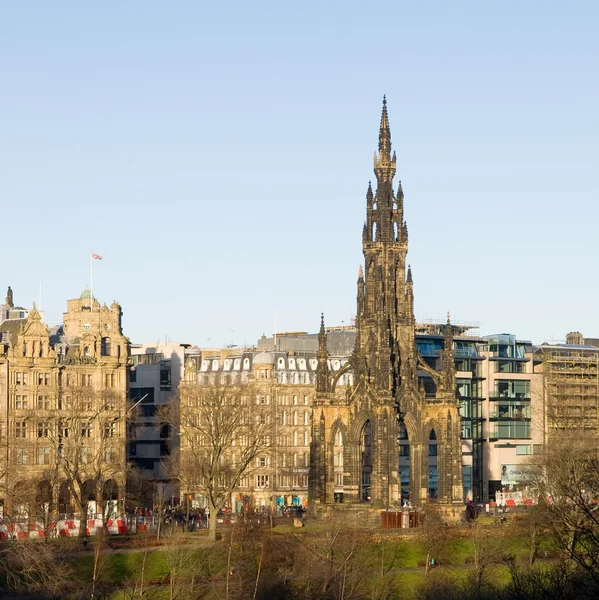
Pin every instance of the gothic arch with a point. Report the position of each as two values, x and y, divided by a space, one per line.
355 431
339 425
344 369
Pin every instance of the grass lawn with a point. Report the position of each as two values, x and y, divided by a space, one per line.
400 553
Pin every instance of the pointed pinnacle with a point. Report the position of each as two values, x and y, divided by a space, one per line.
360 272
409 279
384 135
448 318
321 322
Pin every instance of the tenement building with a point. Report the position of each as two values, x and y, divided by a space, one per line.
280 385
354 449
62 411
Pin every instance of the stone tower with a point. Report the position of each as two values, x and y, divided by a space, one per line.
355 451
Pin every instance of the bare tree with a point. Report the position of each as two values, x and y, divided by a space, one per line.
568 479
433 534
33 568
78 452
223 431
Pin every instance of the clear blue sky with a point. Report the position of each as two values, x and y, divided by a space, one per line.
218 154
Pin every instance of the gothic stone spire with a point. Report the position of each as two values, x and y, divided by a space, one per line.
323 382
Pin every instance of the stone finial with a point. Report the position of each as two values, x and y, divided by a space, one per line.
9 298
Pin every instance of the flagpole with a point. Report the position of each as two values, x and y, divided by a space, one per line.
91 280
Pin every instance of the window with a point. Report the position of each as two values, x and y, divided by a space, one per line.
105 346
21 456
43 403
510 366
306 438
69 379
86 455
467 480
20 429
109 429
295 417
512 429
404 451
262 481
512 388
464 349
65 430
284 418
43 429
133 376
109 455
86 429
519 410
21 402
43 456
43 379
65 403
294 400
305 400
523 449
110 380
262 461
21 378
165 378
306 418
432 449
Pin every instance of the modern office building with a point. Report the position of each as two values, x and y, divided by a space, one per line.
155 374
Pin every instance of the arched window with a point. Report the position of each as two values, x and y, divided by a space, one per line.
85 351
366 447
306 438
295 438
306 418
284 418
295 417
432 466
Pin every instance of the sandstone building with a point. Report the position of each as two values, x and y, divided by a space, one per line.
63 409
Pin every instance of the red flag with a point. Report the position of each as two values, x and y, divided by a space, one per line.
96 256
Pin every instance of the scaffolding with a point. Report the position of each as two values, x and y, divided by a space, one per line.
571 380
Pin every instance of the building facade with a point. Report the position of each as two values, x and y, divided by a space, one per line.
156 372
63 411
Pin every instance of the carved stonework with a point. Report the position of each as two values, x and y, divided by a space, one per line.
358 459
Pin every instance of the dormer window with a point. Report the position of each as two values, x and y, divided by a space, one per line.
246 363
237 364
